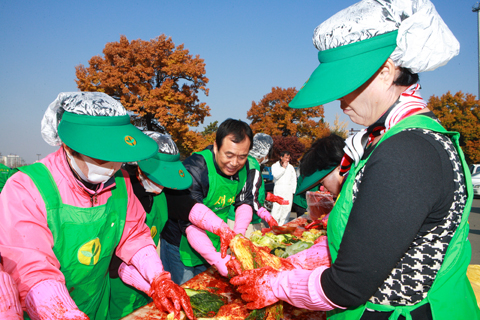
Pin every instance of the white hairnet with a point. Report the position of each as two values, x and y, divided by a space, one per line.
86 103
164 141
424 41
262 143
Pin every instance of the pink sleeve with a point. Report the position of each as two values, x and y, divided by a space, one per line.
26 242
243 217
136 234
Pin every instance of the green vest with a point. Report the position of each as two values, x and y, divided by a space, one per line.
253 163
125 299
221 196
84 240
451 295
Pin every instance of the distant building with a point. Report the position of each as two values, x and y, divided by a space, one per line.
14 161
3 160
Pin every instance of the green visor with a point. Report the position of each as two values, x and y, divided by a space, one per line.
344 69
166 170
105 138
313 180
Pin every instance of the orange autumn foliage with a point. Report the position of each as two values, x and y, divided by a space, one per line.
273 116
156 80
461 113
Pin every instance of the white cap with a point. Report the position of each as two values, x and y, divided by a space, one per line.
86 103
262 143
424 41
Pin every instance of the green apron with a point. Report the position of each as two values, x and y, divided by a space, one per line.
84 240
125 299
451 295
221 196
253 163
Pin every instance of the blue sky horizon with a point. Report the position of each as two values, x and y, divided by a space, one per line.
248 47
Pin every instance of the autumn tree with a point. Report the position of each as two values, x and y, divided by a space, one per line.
210 128
290 144
273 116
156 80
461 113
339 127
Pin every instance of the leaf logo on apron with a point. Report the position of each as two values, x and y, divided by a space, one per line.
153 231
89 253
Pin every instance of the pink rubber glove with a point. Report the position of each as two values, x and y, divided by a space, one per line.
50 299
243 217
166 295
300 288
206 219
131 276
266 216
10 308
200 241
148 263
314 257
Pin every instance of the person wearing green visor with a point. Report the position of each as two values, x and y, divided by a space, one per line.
63 218
398 231
320 165
258 155
149 178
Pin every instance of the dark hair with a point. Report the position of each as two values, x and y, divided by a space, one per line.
239 129
284 152
406 78
325 152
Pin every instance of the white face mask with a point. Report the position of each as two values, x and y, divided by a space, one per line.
96 173
265 160
149 185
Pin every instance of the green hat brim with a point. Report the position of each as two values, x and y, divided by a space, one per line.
167 170
344 69
313 180
105 138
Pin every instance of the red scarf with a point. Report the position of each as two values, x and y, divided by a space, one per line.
408 103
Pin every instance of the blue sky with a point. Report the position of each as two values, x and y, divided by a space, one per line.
248 47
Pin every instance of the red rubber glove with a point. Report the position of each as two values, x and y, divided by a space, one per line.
164 291
266 216
273 198
226 235
254 285
234 267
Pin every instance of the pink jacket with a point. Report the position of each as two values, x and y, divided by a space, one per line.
26 241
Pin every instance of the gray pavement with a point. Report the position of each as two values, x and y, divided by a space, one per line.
474 235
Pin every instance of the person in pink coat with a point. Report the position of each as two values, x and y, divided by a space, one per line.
63 218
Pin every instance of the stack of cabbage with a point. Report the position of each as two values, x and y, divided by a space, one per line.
285 245
252 257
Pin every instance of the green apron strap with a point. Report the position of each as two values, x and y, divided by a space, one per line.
45 184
